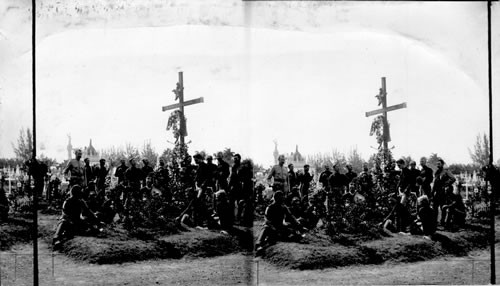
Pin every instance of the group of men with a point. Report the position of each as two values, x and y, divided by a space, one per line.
216 195
434 191
291 183
221 194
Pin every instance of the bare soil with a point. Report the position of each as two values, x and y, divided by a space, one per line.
239 269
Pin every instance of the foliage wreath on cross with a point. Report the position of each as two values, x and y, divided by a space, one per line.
174 123
377 128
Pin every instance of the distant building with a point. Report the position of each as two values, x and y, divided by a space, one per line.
91 153
294 158
87 152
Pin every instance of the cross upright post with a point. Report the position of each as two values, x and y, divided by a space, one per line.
382 97
179 95
181 107
384 107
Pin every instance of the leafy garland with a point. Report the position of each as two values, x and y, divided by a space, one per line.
377 128
174 123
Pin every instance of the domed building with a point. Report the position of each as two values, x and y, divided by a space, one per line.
294 158
91 153
87 152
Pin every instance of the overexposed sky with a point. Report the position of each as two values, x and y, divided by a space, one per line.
299 72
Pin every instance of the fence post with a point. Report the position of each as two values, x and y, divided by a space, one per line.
15 266
472 282
257 273
52 264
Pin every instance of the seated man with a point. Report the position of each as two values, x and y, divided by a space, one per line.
399 217
76 217
222 214
454 211
425 223
273 228
297 211
315 211
348 197
107 210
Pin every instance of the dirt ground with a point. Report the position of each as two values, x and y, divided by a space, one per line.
238 269
224 270
472 269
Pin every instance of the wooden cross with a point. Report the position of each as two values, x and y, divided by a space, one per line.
179 94
382 100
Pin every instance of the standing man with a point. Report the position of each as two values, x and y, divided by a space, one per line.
147 171
202 179
337 184
120 171
292 177
442 188
162 179
101 173
222 173
427 177
323 177
212 169
414 173
245 205
305 179
235 185
350 175
88 173
366 184
404 177
75 168
133 177
280 175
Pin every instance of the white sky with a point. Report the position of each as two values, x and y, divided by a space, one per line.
299 72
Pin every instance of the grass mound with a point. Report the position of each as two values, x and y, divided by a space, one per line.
320 251
117 245
110 251
13 231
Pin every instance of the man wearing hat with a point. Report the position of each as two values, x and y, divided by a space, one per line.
441 189
305 179
88 173
280 176
71 221
337 184
101 172
133 177
162 178
202 181
120 171
323 177
350 175
212 169
222 173
273 228
76 169
147 171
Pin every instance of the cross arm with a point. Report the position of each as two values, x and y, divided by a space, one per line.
382 110
185 103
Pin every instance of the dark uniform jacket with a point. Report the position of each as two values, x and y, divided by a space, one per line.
427 176
133 176
221 175
323 178
305 182
74 208
350 176
101 173
120 173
